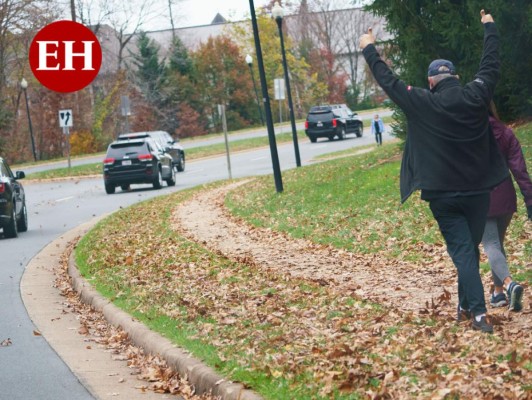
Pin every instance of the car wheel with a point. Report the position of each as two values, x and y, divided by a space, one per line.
158 182
109 189
10 230
181 163
22 223
171 181
360 130
312 139
341 135
125 188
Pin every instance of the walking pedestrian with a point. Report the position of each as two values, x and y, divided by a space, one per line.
503 204
451 155
377 128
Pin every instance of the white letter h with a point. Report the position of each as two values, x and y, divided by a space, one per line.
87 55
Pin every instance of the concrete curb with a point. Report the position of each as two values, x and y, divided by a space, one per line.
204 378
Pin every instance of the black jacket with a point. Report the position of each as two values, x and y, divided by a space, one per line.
449 145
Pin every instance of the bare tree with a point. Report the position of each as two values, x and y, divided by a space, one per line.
127 20
93 13
351 25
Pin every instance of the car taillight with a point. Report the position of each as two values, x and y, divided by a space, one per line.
109 161
145 157
2 187
334 122
306 124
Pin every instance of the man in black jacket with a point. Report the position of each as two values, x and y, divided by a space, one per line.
451 156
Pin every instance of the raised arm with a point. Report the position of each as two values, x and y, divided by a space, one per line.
488 72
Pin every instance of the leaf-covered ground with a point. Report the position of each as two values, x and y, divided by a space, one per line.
353 301
365 324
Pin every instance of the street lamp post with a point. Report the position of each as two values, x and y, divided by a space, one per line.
249 62
278 14
266 99
24 86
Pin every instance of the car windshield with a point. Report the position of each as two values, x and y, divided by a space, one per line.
119 150
322 116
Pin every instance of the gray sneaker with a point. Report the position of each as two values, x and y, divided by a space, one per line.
515 294
482 325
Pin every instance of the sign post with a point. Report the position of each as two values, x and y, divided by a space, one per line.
65 122
278 85
221 112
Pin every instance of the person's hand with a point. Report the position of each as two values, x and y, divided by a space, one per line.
529 210
366 39
485 17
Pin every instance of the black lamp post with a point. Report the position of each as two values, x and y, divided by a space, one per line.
266 100
24 86
278 14
249 62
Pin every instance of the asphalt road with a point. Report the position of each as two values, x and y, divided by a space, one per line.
29 367
189 144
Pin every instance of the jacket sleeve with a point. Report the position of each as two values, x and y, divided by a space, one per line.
488 73
517 165
394 87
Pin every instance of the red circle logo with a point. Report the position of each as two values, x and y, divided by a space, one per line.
65 56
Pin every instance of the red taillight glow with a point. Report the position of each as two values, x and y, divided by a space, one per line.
2 187
145 157
334 122
306 124
109 161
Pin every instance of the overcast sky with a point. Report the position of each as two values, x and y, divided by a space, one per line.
202 12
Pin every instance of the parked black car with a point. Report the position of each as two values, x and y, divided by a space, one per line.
332 120
136 161
165 141
13 211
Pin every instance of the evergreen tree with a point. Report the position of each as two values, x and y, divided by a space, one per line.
150 73
424 30
179 58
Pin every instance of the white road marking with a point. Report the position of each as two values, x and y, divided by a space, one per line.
64 199
257 159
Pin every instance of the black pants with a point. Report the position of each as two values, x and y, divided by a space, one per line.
378 137
462 221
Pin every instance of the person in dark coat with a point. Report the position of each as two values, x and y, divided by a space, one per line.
451 156
503 204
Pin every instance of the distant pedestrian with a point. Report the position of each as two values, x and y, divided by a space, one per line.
503 204
377 128
452 156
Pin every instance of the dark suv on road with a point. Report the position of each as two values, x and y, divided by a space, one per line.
333 120
165 141
13 211
136 161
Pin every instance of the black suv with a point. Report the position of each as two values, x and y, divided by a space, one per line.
13 211
165 141
332 120
136 161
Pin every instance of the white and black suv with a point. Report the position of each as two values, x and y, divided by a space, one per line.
166 141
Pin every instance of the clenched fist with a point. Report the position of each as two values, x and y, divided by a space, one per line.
485 17
366 39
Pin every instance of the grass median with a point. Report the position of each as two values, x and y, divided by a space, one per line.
290 338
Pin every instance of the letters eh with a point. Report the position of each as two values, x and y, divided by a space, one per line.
45 46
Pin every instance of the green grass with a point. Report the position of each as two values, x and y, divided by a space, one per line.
284 337
355 205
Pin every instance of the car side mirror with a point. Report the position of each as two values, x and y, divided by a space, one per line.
20 175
